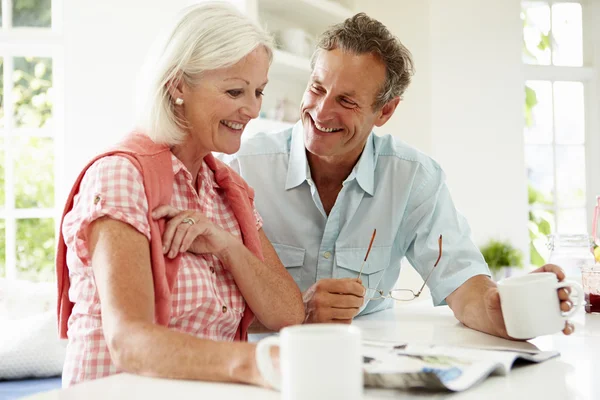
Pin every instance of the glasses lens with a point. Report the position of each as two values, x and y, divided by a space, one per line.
402 295
373 294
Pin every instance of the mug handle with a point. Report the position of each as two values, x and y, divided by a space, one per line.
265 363
580 297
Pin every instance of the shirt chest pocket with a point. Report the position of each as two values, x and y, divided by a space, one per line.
349 261
292 258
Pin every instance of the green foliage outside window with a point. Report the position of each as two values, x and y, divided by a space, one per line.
32 13
2 247
540 221
32 91
35 249
541 224
33 156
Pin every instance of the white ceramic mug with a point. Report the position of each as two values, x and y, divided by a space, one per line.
320 361
531 307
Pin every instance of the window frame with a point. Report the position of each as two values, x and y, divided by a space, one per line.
588 74
30 42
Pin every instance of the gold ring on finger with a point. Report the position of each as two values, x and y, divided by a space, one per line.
188 220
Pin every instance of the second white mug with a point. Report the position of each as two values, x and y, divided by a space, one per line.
530 304
318 362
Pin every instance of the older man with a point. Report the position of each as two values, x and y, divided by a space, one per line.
324 185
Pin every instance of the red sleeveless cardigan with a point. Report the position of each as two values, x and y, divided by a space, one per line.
154 163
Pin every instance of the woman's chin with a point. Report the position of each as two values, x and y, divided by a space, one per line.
230 148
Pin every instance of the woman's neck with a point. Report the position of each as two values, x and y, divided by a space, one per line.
191 154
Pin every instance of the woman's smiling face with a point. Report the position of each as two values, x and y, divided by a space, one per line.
218 108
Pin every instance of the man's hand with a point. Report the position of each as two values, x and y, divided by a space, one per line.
486 316
333 300
492 302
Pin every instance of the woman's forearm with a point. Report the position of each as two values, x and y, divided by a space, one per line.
267 287
152 350
121 265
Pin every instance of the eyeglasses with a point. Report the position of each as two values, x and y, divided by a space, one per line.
398 294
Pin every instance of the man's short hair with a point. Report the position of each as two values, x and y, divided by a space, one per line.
362 34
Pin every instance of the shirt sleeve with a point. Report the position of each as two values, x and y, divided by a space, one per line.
431 213
111 187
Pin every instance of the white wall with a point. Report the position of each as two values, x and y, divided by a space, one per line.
477 130
465 105
105 44
410 21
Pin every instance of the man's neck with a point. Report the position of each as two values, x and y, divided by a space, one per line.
330 172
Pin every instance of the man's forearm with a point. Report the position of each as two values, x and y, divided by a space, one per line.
467 303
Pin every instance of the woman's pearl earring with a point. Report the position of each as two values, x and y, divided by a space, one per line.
179 101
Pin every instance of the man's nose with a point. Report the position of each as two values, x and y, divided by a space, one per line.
325 109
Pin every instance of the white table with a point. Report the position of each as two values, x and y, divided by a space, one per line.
573 375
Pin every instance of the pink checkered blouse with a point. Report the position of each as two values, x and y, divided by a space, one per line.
206 302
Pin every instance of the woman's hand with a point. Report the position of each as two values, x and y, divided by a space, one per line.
191 231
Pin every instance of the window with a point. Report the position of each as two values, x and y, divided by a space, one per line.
30 133
559 72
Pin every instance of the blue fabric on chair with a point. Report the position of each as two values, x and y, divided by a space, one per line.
26 387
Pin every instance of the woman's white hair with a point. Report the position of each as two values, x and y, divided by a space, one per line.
204 37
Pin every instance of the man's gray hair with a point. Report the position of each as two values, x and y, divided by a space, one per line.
203 37
362 34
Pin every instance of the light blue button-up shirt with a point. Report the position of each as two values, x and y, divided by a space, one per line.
393 188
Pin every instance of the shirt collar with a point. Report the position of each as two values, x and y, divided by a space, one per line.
364 170
179 167
298 170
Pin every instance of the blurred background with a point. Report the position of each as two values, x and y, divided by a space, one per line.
506 97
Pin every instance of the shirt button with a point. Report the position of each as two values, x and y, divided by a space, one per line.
224 309
212 270
327 254
96 199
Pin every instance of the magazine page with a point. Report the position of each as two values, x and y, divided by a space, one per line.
438 367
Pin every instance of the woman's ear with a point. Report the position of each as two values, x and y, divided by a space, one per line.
175 89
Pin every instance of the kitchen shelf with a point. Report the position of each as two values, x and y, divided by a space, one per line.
316 15
290 66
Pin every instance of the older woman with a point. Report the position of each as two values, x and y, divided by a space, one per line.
162 261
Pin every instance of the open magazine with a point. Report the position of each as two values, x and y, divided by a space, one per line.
439 367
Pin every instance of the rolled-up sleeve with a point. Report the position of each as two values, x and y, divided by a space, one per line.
111 187
432 213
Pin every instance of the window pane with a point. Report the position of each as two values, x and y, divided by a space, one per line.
570 173
1 90
538 112
2 247
32 91
569 112
2 193
572 221
35 249
541 224
34 172
536 33
32 13
539 162
567 34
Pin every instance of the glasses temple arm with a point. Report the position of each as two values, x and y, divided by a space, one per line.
434 265
424 283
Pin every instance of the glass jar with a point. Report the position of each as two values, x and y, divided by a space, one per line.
571 252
